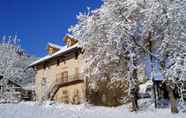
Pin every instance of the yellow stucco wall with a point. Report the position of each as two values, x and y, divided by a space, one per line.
71 94
71 64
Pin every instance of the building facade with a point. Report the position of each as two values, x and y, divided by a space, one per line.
58 75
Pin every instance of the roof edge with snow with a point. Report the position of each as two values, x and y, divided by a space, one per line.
55 45
56 54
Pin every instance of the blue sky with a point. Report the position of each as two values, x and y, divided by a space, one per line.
38 22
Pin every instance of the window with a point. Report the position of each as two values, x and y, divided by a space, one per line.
65 76
65 97
44 66
76 97
76 55
58 62
63 60
43 82
69 42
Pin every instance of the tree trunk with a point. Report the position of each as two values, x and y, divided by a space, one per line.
172 98
133 80
134 100
134 92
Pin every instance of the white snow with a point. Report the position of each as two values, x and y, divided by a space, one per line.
29 86
143 87
54 110
56 46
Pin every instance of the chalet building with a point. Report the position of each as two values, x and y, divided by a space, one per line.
58 73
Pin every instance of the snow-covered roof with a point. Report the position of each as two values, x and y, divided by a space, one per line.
58 53
55 45
29 86
12 81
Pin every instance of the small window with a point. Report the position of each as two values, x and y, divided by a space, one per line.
76 55
65 76
58 62
65 96
44 81
76 96
44 66
64 92
63 60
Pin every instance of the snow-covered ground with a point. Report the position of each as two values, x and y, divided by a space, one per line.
48 110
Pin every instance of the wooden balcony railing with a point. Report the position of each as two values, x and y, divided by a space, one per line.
60 81
70 78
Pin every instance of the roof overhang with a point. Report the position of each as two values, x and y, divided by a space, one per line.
56 54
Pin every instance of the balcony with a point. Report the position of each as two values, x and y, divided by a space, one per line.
68 79
60 81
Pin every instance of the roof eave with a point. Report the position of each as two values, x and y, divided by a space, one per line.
35 64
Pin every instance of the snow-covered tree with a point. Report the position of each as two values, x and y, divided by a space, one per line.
9 55
14 60
139 31
13 63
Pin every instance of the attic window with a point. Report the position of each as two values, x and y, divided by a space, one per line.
69 42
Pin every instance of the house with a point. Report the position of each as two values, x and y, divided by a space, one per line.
9 91
12 92
58 75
